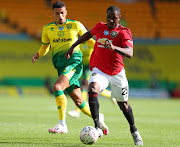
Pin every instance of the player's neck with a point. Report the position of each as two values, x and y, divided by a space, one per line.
117 26
61 23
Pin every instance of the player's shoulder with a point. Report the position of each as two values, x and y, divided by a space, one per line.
75 23
124 30
49 25
101 24
70 21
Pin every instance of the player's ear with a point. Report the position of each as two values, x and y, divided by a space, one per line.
120 17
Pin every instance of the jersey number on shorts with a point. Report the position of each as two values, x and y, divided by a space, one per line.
125 90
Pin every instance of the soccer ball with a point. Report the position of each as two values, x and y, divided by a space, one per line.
89 135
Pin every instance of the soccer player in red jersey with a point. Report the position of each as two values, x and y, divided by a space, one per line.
113 43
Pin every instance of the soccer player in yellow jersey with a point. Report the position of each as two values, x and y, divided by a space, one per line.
58 37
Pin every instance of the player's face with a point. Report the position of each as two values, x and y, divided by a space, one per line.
112 19
60 15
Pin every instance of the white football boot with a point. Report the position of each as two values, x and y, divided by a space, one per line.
58 129
137 138
105 129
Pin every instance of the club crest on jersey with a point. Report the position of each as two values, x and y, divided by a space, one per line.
61 28
106 33
52 29
69 26
114 34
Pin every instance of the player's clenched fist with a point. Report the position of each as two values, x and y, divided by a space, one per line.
69 53
108 44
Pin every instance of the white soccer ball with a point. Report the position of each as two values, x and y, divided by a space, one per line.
89 135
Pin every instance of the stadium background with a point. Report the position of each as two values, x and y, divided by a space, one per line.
152 72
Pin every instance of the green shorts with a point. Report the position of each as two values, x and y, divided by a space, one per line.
73 72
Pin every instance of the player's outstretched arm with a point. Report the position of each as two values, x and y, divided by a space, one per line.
81 39
44 49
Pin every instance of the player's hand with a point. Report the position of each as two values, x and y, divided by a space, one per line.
69 53
108 44
35 57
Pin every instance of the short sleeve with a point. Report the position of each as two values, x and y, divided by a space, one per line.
127 38
95 29
44 38
81 29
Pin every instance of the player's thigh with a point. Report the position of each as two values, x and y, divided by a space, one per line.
72 72
100 78
74 78
119 86
61 83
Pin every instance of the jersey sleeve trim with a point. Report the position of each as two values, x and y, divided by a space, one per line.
44 43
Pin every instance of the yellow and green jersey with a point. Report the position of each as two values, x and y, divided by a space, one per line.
61 37
86 51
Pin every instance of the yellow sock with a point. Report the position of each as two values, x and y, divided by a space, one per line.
84 95
106 93
77 109
84 107
61 102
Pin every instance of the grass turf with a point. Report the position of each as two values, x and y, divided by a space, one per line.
24 121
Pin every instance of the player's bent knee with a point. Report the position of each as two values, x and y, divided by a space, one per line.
57 87
94 87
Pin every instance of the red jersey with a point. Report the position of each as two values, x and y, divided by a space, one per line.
107 60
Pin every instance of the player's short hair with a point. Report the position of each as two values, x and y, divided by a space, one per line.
114 8
58 4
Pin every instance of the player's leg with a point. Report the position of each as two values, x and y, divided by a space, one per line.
97 83
120 90
94 90
61 83
78 100
84 86
74 90
67 75
76 113
128 113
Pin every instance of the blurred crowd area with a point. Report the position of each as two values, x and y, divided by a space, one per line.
151 19
155 26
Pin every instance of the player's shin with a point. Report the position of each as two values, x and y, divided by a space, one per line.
84 94
85 108
61 102
128 113
94 107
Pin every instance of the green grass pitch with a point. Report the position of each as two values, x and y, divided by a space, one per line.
24 122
